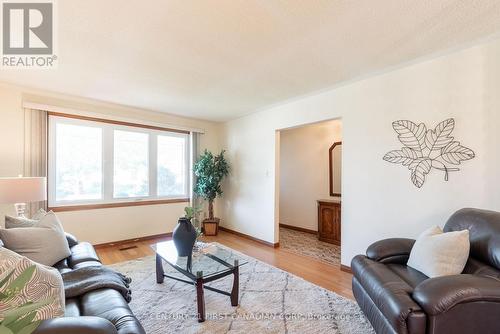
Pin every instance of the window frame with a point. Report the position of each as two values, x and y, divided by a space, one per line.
107 197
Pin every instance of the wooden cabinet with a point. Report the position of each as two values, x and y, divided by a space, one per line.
329 221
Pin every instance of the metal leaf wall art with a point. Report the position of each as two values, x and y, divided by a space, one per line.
426 149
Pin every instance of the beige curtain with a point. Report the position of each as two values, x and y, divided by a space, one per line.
35 150
196 201
195 138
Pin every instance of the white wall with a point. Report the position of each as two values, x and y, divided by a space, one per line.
304 171
102 225
378 200
491 97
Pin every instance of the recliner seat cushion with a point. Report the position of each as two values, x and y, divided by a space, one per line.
411 276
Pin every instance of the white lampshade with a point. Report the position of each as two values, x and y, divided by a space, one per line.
22 189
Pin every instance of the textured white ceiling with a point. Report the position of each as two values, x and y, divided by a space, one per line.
220 59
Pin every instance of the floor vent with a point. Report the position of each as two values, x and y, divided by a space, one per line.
128 247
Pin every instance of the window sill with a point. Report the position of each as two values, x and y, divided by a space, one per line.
116 205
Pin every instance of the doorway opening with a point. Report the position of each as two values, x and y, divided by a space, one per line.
309 190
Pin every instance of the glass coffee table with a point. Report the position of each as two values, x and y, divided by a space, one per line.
208 263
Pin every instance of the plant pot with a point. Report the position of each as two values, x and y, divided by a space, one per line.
184 237
211 226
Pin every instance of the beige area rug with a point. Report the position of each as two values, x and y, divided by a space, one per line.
307 244
271 301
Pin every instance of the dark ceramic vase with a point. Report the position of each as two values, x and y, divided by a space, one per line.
184 237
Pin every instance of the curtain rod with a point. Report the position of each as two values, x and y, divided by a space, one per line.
71 111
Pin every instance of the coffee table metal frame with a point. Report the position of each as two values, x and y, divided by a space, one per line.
199 281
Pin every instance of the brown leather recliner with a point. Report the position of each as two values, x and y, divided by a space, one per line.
399 299
103 311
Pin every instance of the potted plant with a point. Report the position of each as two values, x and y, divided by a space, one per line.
187 231
210 169
192 213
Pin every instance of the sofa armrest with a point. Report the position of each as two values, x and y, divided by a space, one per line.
72 240
438 295
76 325
394 250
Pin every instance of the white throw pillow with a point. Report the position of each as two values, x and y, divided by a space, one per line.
436 253
44 242
15 222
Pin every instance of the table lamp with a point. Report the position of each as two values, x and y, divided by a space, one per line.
21 190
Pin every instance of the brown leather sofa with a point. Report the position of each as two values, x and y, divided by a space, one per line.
103 311
399 299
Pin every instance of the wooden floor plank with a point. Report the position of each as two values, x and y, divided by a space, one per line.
310 269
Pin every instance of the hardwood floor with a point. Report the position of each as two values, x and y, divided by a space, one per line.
314 271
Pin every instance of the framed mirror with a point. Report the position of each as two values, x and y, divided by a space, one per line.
335 161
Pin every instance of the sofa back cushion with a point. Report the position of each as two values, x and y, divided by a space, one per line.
484 233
